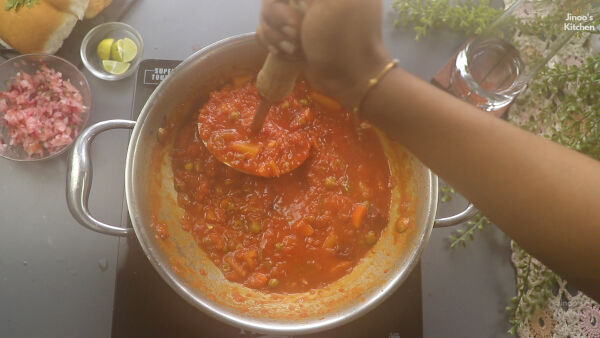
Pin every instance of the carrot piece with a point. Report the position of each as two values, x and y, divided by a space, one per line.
339 267
246 148
358 214
239 81
330 241
326 101
257 280
249 257
304 228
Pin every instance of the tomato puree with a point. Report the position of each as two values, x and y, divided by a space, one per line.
301 230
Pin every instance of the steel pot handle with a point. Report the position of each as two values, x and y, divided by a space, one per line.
462 216
79 178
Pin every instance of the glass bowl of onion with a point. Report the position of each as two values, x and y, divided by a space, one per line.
45 102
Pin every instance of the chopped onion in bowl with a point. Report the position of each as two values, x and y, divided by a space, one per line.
40 112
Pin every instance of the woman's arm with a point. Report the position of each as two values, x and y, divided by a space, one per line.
541 194
544 196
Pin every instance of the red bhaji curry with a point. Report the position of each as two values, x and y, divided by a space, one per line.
298 231
282 144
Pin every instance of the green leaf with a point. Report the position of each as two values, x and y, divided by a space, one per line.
17 4
462 235
9 4
423 15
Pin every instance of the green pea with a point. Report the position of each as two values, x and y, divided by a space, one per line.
278 246
235 115
370 238
254 227
273 282
330 182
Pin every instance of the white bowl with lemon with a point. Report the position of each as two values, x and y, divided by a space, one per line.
112 51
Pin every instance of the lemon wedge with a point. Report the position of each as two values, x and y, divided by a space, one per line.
115 67
104 47
124 50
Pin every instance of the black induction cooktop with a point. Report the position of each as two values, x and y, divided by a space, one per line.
145 306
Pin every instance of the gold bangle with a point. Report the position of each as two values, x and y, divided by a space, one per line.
373 82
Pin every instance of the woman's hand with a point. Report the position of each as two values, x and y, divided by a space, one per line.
340 41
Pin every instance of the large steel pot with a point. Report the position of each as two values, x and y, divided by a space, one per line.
186 268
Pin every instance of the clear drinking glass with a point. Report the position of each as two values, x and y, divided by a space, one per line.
496 66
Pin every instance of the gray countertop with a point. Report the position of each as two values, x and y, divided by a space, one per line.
57 278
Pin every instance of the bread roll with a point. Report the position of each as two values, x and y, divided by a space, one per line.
41 28
75 7
4 44
45 26
95 7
